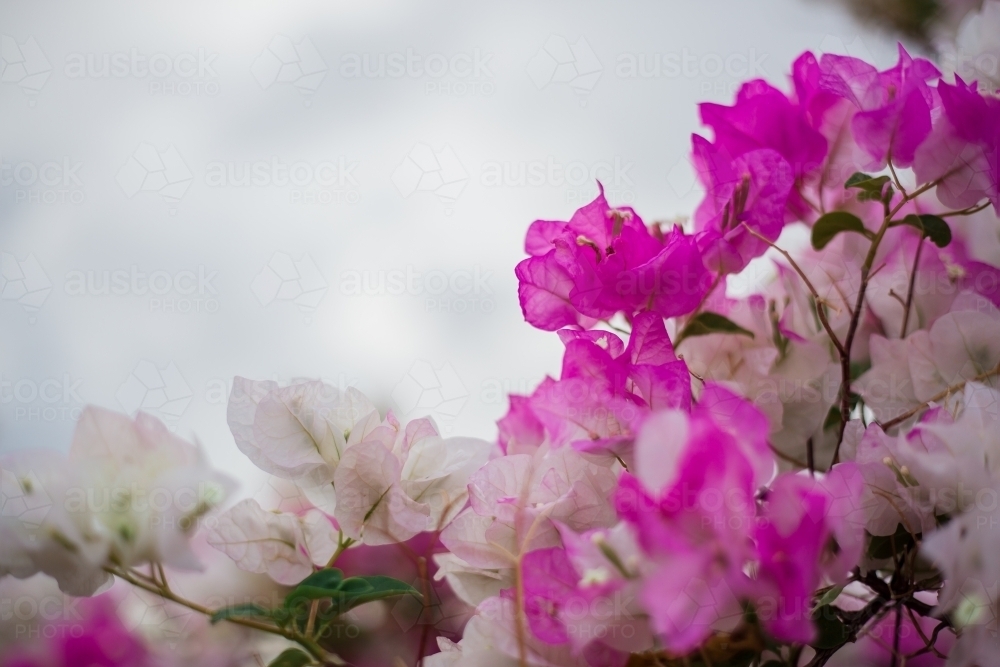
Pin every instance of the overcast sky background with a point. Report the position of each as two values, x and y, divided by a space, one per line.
137 169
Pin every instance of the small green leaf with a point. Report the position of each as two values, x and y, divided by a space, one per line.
871 186
707 322
240 611
859 368
859 179
318 585
355 586
291 657
881 547
831 224
328 578
831 630
359 590
344 594
933 227
830 596
832 417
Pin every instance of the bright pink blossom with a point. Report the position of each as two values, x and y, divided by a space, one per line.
605 388
763 117
692 502
801 518
894 107
962 154
604 261
752 191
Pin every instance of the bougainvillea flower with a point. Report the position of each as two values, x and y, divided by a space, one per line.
605 261
894 107
747 191
605 388
962 154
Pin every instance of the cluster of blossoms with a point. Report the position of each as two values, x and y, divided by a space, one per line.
715 478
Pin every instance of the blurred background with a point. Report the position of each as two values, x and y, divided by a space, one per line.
191 191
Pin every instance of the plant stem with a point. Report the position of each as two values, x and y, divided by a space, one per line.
895 638
164 592
866 274
812 290
909 292
342 545
937 397
965 211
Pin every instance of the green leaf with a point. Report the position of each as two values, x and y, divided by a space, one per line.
871 186
830 596
832 417
328 578
933 227
859 368
377 587
318 585
831 631
865 181
708 323
291 657
831 224
881 547
344 594
355 586
240 611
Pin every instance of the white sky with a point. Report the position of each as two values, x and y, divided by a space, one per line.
72 197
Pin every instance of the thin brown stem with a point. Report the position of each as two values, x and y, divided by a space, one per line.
812 290
342 545
811 457
895 180
786 457
941 395
311 623
931 644
617 328
164 592
425 586
708 294
965 211
852 329
896 636
907 307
